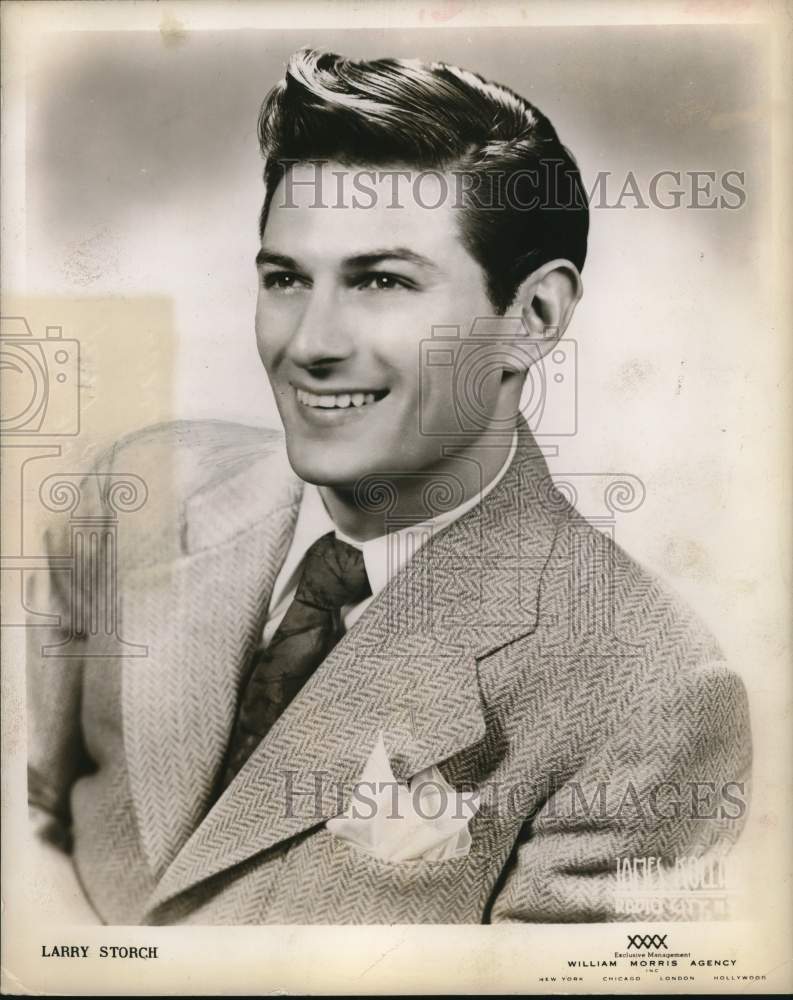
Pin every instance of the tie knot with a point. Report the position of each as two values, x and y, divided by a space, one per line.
334 574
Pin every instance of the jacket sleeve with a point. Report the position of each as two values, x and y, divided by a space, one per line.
57 755
669 784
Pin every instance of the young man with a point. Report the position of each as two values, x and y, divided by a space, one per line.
391 674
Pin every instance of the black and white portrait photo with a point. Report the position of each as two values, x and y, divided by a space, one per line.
392 431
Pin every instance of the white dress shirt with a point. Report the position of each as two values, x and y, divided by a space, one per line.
383 557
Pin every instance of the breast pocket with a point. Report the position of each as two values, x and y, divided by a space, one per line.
329 881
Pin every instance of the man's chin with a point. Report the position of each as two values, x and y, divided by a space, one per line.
325 466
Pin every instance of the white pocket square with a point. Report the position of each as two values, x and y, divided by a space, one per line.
425 820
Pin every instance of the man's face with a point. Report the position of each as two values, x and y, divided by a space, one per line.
346 297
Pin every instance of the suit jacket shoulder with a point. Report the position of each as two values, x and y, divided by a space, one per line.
200 451
636 663
178 463
606 591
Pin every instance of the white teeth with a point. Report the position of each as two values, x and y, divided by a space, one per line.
337 401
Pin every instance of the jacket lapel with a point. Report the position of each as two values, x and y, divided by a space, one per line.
200 616
407 669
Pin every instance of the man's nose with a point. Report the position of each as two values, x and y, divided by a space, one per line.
322 335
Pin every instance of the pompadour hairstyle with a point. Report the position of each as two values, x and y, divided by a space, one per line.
524 203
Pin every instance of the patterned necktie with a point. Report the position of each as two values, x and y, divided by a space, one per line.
333 576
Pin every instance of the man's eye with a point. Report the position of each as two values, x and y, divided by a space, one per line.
282 280
380 281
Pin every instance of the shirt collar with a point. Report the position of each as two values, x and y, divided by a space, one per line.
383 556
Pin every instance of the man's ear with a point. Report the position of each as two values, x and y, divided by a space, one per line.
547 300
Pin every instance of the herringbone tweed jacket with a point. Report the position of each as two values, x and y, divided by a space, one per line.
520 650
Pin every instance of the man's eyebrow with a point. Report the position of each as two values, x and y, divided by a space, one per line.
357 262
265 256
364 260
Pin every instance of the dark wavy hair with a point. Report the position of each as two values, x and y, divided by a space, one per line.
524 201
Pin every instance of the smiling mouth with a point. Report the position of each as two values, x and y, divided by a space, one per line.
339 400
